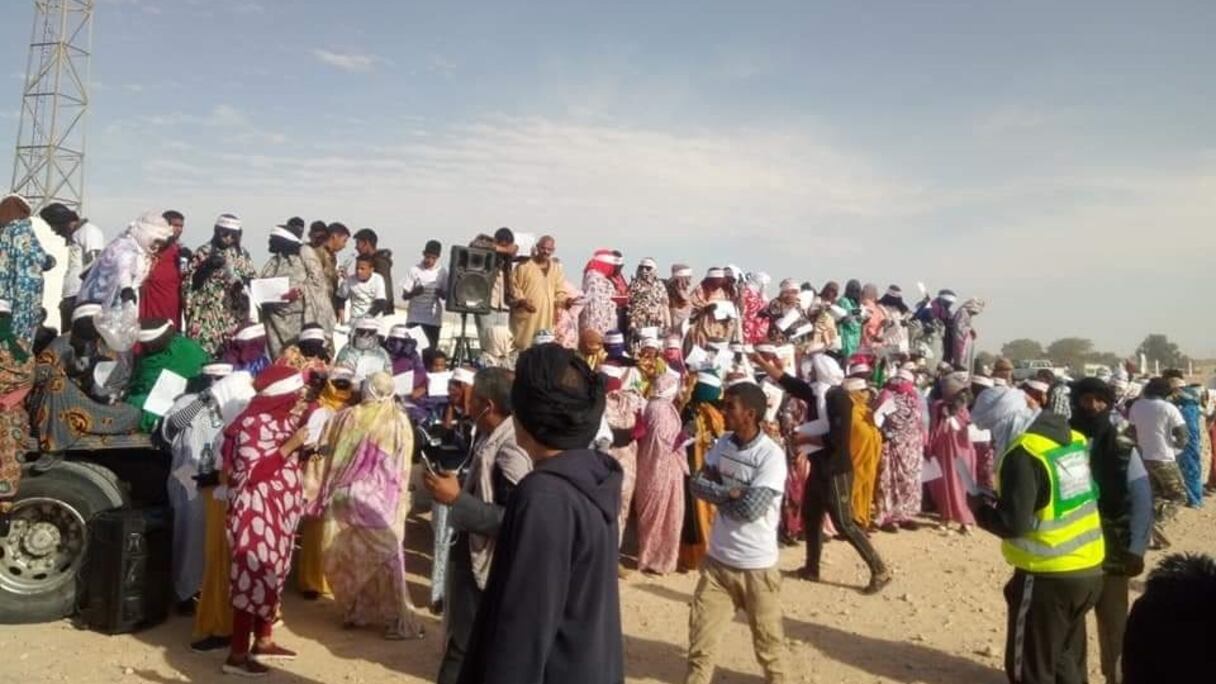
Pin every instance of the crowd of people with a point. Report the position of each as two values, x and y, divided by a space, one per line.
714 418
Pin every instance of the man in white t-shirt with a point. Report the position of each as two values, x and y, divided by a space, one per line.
744 476
1161 433
425 287
84 241
365 291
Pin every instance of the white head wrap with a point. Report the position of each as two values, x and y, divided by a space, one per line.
150 228
288 385
252 332
285 234
217 370
463 375
312 335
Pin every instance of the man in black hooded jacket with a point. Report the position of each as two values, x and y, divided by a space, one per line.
551 608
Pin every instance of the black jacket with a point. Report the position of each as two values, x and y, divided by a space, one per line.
834 458
551 608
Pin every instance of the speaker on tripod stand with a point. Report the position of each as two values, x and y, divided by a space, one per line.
471 274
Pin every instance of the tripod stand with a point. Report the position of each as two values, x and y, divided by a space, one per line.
461 352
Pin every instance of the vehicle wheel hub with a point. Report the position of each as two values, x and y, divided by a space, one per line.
44 547
41 539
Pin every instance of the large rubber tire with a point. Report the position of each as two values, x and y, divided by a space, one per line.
85 489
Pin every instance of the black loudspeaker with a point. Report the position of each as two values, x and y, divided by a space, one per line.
126 582
471 275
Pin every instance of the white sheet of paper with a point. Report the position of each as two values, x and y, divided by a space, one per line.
788 357
367 367
978 436
697 359
102 372
804 330
525 242
403 384
805 299
724 310
420 336
437 383
884 410
954 424
931 471
923 290
169 386
774 395
316 426
263 290
791 317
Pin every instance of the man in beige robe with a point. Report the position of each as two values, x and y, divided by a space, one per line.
537 288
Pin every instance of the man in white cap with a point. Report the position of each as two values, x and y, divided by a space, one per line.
192 427
215 301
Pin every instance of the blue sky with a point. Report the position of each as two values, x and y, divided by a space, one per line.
1056 159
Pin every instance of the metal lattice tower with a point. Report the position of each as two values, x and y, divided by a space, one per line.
49 165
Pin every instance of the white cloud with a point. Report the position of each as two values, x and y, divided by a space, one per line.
347 61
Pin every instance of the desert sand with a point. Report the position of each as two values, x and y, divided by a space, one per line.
940 621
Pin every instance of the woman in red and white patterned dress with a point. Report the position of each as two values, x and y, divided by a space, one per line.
265 500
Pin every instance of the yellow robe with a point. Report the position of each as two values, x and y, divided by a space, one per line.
865 447
213 617
541 289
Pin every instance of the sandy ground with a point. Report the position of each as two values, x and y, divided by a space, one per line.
941 621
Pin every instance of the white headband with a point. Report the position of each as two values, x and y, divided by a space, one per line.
614 338
342 373
228 222
463 375
367 324
218 370
605 258
673 343
682 273
648 263
85 311
854 384
253 332
312 335
288 385
285 234
154 333
1036 385
709 379
715 273
651 343
399 332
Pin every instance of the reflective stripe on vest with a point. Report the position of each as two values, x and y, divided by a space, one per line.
1067 532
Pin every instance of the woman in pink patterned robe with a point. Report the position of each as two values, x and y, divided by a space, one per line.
903 453
265 501
662 467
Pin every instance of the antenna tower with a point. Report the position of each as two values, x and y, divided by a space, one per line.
49 165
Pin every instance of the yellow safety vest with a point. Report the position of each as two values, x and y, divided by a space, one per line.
1068 531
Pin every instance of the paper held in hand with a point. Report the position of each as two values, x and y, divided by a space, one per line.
169 386
268 290
725 310
403 384
790 318
437 383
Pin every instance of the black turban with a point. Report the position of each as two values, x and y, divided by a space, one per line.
1094 386
558 399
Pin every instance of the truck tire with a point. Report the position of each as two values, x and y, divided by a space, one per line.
46 542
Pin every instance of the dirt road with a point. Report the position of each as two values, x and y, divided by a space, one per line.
941 621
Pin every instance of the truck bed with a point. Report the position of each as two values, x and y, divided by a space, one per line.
136 440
